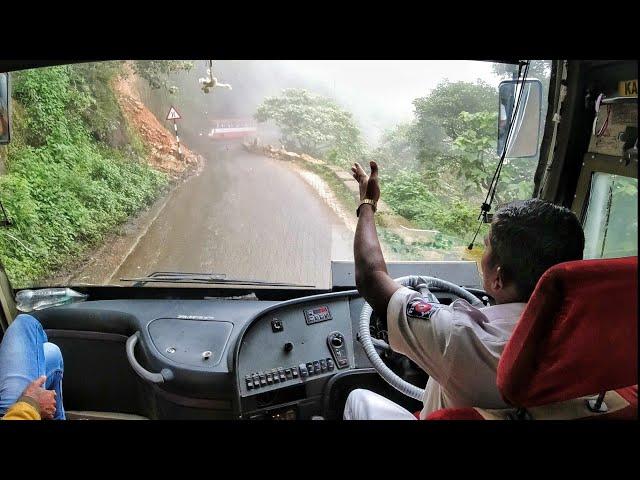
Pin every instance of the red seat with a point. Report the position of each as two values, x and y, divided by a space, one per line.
578 336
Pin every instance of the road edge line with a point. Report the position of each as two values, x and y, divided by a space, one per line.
142 234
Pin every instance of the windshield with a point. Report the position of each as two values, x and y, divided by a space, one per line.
119 169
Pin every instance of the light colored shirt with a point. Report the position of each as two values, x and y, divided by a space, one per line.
458 345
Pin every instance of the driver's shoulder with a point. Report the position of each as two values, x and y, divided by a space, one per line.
491 323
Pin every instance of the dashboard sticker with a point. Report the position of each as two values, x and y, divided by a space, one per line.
317 315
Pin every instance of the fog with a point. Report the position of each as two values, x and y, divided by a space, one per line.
379 93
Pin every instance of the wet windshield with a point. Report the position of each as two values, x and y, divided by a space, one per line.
121 169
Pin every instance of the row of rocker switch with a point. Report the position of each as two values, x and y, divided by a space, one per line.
318 366
275 375
281 375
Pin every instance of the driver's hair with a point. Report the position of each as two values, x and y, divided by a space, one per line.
528 237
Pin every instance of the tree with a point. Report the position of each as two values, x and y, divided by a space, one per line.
396 149
156 72
442 107
313 124
474 149
540 69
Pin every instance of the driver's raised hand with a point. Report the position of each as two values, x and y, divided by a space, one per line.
369 186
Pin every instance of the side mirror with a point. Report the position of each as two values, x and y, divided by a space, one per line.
5 102
525 133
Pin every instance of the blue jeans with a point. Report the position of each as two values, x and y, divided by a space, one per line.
25 354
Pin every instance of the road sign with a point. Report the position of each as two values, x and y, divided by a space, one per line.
173 114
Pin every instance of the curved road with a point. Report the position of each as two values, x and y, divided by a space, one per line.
247 216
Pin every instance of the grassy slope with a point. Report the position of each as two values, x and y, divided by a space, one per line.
75 169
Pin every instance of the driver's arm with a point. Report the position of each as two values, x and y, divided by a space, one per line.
372 280
419 331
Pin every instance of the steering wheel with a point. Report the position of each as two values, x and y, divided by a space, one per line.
414 282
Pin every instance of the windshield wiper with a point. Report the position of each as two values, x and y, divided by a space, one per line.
209 278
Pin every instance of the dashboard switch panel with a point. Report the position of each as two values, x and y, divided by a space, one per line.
338 348
289 344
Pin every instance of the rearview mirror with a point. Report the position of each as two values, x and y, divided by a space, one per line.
5 100
525 135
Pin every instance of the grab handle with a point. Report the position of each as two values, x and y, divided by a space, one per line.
164 375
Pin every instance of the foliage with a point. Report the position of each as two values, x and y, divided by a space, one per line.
476 160
442 107
453 138
63 189
409 196
474 150
540 69
397 149
412 251
156 72
313 124
101 112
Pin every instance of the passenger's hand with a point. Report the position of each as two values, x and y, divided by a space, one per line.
369 187
46 398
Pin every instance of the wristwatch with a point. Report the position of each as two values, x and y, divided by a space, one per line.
370 202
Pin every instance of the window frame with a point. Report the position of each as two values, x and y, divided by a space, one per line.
597 163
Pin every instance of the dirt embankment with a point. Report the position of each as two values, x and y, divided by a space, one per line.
98 266
161 143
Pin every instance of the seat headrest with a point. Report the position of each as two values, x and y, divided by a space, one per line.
577 336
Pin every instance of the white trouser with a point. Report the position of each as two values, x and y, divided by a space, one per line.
366 405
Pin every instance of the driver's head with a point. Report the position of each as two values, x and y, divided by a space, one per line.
526 238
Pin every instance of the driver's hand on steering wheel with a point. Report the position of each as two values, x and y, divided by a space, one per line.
369 186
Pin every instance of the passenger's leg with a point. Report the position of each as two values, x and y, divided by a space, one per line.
366 405
22 360
54 367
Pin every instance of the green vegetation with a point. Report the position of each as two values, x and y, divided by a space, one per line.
409 196
156 72
391 240
415 250
449 156
314 125
435 170
74 171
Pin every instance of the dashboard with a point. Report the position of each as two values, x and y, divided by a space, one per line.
226 358
211 358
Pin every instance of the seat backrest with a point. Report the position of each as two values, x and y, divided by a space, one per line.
627 411
577 336
455 414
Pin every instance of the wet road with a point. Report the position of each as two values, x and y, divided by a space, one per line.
247 216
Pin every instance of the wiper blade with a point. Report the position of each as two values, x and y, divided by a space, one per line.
209 278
